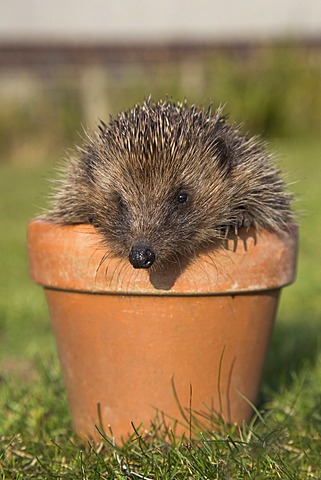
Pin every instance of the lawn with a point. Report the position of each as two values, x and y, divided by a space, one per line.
37 441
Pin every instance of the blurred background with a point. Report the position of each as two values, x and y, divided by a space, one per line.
64 64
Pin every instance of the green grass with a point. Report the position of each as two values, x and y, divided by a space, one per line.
37 441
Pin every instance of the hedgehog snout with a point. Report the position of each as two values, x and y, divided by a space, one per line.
141 255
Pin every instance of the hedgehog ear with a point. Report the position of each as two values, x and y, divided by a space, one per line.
224 154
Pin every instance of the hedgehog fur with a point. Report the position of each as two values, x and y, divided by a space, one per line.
164 180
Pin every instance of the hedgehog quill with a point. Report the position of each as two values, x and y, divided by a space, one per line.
164 180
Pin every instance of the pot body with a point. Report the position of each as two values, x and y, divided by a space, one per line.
190 359
184 348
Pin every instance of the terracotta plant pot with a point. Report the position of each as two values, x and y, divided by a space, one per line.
187 345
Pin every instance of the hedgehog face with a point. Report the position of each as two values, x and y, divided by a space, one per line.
147 225
155 228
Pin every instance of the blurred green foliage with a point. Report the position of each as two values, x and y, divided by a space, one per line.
273 91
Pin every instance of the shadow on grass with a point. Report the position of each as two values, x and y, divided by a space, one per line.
295 343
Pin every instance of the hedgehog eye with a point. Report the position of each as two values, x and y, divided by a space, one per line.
182 197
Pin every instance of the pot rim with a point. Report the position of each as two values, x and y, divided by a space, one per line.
70 258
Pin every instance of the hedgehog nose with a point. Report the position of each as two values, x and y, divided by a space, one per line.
141 256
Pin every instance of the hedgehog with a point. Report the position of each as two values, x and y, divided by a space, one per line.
165 180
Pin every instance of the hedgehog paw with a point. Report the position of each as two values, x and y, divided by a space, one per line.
244 221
